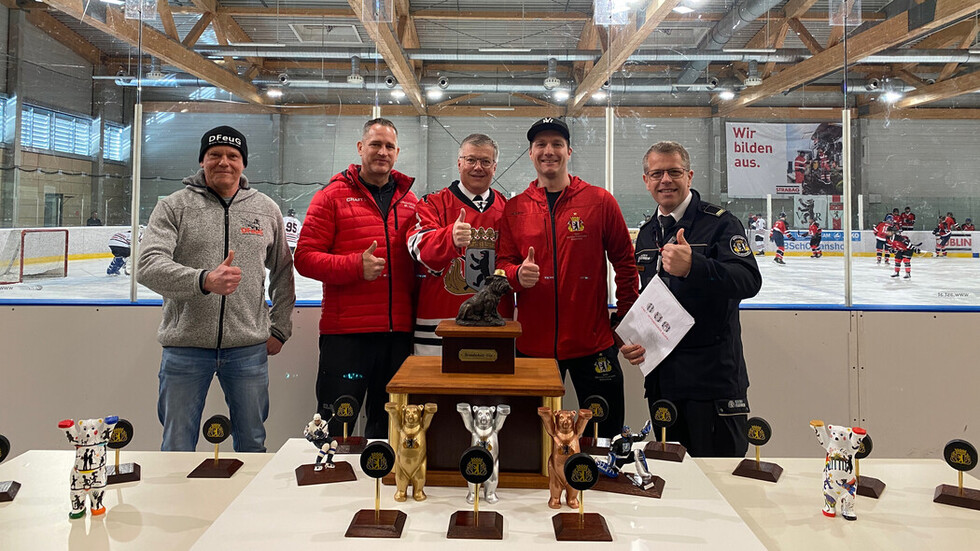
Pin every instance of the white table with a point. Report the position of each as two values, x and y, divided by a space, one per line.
274 513
786 515
165 510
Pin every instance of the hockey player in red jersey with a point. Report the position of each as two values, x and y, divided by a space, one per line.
903 249
454 241
968 225
908 219
816 235
881 238
943 231
777 234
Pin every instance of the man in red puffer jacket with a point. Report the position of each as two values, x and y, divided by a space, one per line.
353 240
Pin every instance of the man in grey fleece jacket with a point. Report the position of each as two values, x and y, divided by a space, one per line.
205 250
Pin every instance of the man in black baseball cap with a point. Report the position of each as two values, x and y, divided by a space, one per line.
224 135
562 226
548 123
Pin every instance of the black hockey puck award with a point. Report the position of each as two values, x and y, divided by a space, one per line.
962 456
216 430
8 488
122 435
599 407
377 460
345 411
866 486
664 414
476 466
582 473
759 432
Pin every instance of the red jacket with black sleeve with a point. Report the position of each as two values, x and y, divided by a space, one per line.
565 315
341 223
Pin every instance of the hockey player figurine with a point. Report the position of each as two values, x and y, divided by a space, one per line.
88 475
484 426
778 233
816 235
565 430
318 433
621 453
839 481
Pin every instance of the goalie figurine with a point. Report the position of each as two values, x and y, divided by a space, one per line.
621 453
318 433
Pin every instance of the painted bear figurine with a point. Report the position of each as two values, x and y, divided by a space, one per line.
484 422
839 482
410 422
88 475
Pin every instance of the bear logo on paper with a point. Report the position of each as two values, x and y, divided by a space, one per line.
476 467
960 456
581 474
662 415
377 462
251 227
215 431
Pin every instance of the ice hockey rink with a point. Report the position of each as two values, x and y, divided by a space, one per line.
935 282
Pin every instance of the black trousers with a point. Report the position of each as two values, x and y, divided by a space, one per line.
703 432
356 364
600 374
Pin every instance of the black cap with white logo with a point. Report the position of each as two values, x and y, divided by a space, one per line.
224 135
548 123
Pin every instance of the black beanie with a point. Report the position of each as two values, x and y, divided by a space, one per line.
224 135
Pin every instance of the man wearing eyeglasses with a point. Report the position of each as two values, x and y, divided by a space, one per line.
701 253
454 240
554 241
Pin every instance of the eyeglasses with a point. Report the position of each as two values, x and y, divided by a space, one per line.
674 173
473 161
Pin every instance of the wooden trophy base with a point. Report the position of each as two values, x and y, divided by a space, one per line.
576 527
342 472
8 490
622 485
368 523
672 452
950 495
351 444
466 525
128 472
478 349
870 487
595 446
216 468
760 471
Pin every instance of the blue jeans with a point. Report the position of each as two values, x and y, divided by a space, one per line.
185 375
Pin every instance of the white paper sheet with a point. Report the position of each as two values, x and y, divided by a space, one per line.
657 322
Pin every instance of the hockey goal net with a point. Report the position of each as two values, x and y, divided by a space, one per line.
30 254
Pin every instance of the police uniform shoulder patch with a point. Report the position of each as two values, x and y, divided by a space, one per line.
740 245
713 210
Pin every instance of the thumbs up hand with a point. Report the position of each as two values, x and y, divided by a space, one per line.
677 257
529 273
462 232
373 265
224 279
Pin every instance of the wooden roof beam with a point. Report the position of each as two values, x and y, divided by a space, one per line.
620 48
805 37
767 37
837 31
587 41
968 37
941 90
167 19
69 38
197 30
394 56
887 34
159 45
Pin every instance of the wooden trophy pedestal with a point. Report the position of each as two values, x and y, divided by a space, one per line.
342 472
671 452
468 349
622 485
216 468
8 490
351 444
870 487
951 495
127 472
576 527
368 523
467 525
525 446
595 446
761 470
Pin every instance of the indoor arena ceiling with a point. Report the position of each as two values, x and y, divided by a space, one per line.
669 54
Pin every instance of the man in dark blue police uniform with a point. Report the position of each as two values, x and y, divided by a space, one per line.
701 253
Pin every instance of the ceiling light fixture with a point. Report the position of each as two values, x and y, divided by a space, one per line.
561 95
274 92
434 93
891 96
683 9
726 95
397 93
599 95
